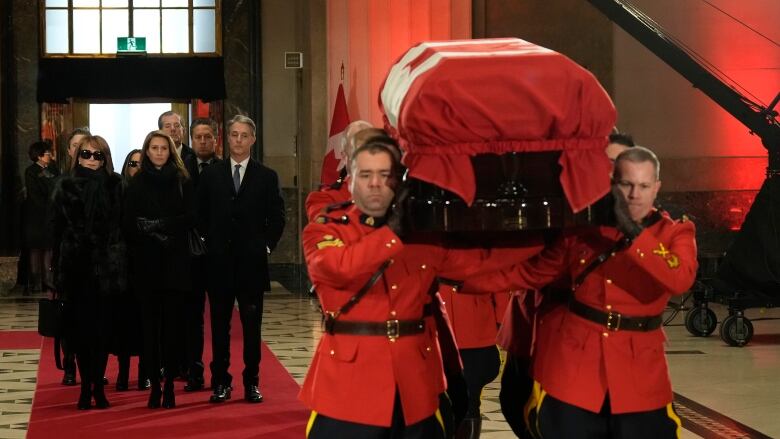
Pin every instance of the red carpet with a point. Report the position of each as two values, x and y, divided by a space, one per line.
281 415
20 340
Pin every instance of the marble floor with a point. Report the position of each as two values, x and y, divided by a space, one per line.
716 384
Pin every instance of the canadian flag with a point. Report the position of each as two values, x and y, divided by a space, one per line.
334 158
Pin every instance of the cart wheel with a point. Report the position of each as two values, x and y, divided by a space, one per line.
736 330
700 321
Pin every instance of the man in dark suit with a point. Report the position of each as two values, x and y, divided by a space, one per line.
241 213
170 123
203 132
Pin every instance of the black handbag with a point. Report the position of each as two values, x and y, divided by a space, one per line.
51 317
196 243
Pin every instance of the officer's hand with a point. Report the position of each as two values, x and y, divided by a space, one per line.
630 228
395 219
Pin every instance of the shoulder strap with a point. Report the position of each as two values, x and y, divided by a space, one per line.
362 292
621 244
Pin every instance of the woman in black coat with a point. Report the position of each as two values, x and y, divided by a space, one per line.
159 210
90 260
127 318
39 180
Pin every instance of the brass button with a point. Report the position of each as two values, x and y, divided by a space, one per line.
392 313
582 261
393 241
609 281
428 348
388 245
332 352
394 286
612 254
454 289
605 334
392 340
641 255
609 307
423 266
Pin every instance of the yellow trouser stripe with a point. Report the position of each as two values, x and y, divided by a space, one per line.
440 420
673 416
312 417
534 403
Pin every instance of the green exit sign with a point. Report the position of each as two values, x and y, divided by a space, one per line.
131 44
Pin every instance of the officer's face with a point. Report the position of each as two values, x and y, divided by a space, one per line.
372 182
637 182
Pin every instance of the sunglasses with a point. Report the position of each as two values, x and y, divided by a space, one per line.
133 163
97 155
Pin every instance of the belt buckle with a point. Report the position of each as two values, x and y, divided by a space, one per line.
613 321
393 330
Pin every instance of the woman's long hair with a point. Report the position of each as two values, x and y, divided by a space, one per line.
125 173
173 157
99 144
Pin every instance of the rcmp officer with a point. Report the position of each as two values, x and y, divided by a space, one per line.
599 365
376 371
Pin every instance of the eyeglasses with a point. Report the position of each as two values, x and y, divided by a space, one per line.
133 163
87 154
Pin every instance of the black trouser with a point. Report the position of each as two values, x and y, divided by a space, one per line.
162 332
516 386
480 367
250 308
88 333
324 427
553 419
195 304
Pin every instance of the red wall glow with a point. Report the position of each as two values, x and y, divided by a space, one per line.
368 35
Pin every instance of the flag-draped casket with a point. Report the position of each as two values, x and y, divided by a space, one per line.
448 102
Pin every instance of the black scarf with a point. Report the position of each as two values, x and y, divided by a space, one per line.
94 193
162 176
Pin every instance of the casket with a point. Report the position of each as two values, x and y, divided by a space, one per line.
498 134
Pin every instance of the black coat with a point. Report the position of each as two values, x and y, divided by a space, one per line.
40 184
191 163
158 266
186 152
90 256
239 227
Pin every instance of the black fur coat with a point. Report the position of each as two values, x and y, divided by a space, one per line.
90 253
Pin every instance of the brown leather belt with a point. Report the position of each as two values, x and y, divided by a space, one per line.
614 321
391 329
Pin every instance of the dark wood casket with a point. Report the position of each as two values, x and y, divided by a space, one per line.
498 135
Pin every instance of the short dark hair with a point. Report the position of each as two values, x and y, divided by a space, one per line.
209 122
37 149
640 154
167 113
624 139
376 145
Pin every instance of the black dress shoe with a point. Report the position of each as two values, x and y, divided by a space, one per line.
194 384
69 379
221 393
252 394
85 401
101 402
144 384
168 399
154 397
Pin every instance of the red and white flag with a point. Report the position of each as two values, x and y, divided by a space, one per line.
334 158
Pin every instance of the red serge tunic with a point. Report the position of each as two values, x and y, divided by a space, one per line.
578 361
354 377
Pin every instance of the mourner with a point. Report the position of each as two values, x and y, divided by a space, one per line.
599 367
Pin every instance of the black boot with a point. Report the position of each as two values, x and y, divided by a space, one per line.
470 428
143 379
85 371
155 395
124 372
168 398
69 365
98 386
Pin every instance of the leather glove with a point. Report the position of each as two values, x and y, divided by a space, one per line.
630 228
395 219
147 226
